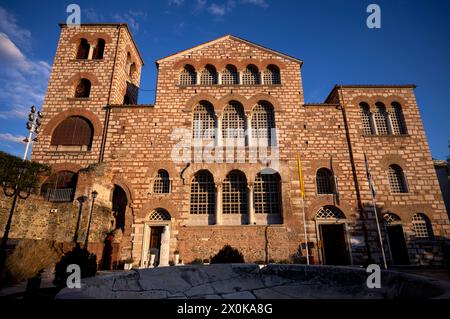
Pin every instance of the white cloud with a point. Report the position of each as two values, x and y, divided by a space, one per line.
23 81
259 3
7 137
8 25
217 9
131 18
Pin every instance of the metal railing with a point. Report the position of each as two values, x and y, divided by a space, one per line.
60 195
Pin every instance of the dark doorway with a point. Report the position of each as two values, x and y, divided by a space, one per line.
397 244
334 247
120 203
155 242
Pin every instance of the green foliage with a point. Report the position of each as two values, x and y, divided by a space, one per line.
197 261
228 255
12 167
78 256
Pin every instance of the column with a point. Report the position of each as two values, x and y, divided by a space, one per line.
251 208
219 203
91 52
219 137
144 255
249 129
165 247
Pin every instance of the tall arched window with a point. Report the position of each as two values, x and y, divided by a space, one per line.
234 193
381 119
324 181
188 76
203 193
267 194
132 69
250 76
233 121
128 63
204 121
99 49
330 212
397 180
366 119
83 88
263 121
208 75
83 50
74 133
230 75
422 226
60 187
161 183
272 75
397 119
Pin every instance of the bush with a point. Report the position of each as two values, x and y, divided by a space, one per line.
228 255
29 258
79 256
197 261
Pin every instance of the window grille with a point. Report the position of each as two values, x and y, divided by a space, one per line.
233 121
188 76
263 121
234 194
159 215
390 218
208 76
267 194
202 194
250 76
330 212
161 183
397 119
366 119
230 75
324 181
421 226
381 120
204 121
272 75
397 182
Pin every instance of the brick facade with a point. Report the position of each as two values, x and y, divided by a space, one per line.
134 142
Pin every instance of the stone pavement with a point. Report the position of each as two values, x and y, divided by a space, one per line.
244 281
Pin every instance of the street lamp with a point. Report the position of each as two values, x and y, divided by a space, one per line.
81 199
16 190
94 196
33 125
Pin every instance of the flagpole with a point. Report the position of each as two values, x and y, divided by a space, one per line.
369 177
302 193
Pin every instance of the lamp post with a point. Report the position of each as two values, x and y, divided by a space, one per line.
14 190
33 125
94 196
81 199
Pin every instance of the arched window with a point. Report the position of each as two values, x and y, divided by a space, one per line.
132 69
188 76
233 121
397 120
397 180
73 134
230 75
128 63
330 212
126 99
422 226
272 75
203 193
83 88
366 119
263 121
391 219
119 207
99 49
234 193
324 181
267 194
159 215
83 50
250 76
204 121
208 75
161 183
381 119
60 187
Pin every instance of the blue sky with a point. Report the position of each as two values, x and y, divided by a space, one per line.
412 46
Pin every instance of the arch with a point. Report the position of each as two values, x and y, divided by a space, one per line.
421 225
83 49
161 183
263 122
208 75
329 212
91 117
278 63
234 121
225 100
91 37
159 214
391 218
188 76
250 75
381 119
75 79
119 206
230 75
124 185
234 193
325 181
75 132
397 180
133 70
263 98
99 49
267 193
60 186
196 99
202 200
83 89
397 119
271 75
366 119
204 121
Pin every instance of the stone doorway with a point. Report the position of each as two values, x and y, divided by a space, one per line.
334 247
396 239
156 240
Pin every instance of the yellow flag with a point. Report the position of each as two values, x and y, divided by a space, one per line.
300 178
